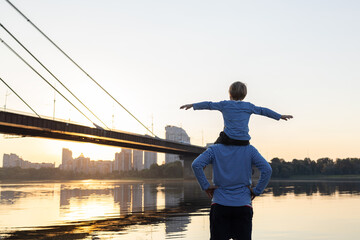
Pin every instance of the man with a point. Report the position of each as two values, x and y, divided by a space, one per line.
231 210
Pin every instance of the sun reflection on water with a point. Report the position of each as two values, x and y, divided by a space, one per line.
173 210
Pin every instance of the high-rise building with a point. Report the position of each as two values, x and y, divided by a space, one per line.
66 160
123 160
117 161
102 166
138 158
84 164
175 134
149 159
66 156
13 160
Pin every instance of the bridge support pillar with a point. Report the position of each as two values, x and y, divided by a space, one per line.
188 173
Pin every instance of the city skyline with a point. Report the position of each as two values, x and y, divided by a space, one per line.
13 160
137 160
297 58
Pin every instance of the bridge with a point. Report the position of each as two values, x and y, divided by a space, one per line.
38 126
30 126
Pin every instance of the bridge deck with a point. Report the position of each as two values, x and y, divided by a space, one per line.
29 126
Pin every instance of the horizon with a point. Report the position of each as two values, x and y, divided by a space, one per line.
57 164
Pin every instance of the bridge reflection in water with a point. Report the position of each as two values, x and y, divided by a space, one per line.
147 199
95 205
87 208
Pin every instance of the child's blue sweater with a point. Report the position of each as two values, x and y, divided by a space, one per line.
232 170
236 116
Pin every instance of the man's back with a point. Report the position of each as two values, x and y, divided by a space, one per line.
232 169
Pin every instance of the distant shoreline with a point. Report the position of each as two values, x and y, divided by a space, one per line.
129 180
294 178
168 172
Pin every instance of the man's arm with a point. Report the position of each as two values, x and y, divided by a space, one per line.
198 164
265 172
203 106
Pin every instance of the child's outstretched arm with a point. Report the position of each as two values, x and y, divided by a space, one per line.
270 113
186 106
286 117
205 106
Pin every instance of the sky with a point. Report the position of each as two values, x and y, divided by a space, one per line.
296 57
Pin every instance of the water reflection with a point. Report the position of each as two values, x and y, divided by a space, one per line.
135 197
140 198
282 188
86 201
112 206
11 193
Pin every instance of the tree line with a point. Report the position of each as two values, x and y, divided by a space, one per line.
281 169
322 166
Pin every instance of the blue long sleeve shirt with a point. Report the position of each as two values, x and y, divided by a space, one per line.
232 170
236 116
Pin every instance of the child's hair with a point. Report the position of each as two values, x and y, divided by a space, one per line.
238 91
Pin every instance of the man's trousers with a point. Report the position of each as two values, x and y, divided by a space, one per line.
230 222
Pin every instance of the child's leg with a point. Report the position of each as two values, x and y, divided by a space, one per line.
224 139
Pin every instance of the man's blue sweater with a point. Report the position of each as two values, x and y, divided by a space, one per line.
232 170
236 116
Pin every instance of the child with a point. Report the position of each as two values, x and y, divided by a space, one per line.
236 114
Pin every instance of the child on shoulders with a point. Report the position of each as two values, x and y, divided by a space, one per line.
236 114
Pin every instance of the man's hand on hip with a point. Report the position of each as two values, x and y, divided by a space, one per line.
210 191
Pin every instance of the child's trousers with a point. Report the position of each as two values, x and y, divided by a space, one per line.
224 139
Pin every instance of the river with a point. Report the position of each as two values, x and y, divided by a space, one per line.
119 209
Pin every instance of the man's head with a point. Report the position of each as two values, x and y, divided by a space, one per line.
237 91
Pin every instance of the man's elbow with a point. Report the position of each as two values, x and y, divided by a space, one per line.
269 171
194 165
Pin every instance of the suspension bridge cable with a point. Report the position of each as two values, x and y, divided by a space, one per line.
12 50
51 74
78 66
19 97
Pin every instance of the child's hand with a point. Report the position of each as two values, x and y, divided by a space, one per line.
186 106
286 117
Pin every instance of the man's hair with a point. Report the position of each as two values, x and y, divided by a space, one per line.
238 91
